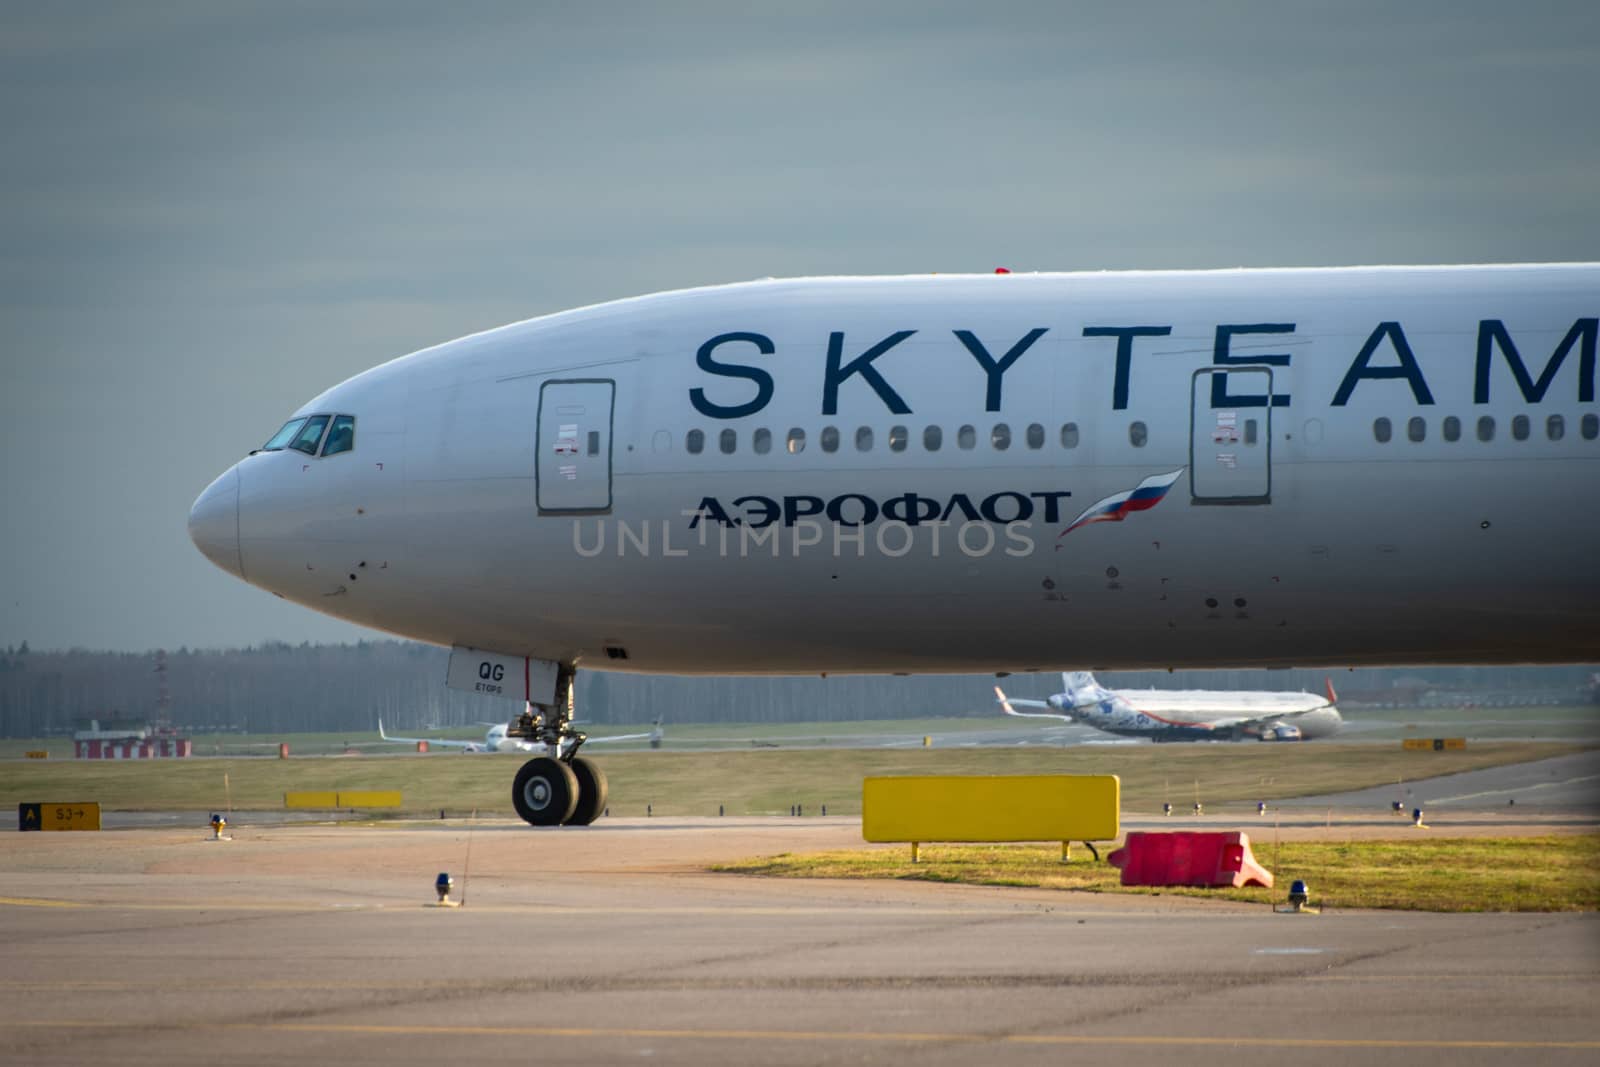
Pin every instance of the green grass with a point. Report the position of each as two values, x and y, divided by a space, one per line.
754 781
1425 874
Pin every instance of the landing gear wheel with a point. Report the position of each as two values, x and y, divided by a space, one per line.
592 792
545 792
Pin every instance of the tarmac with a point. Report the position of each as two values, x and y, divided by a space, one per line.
318 944
1561 784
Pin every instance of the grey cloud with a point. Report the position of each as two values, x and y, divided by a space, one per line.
212 212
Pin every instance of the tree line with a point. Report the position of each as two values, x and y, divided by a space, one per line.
283 688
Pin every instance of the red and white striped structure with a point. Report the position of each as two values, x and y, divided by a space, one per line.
133 748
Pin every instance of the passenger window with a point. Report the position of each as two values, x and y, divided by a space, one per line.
1416 428
1138 434
1451 428
694 441
1519 427
932 438
342 436
897 438
864 439
1486 428
966 437
797 441
1035 436
829 439
761 442
1555 427
1069 435
1251 432
310 437
1000 437
729 441
1590 427
1382 430
662 441
281 439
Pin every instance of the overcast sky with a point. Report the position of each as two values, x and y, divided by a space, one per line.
213 211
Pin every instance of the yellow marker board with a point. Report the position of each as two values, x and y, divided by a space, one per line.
344 798
1434 744
75 816
1042 807
369 798
39 753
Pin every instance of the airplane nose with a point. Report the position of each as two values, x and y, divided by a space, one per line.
214 523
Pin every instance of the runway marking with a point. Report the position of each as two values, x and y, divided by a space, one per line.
1515 789
396 907
286 985
33 902
841 1036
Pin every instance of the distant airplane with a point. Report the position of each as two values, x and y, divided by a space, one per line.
1185 714
496 740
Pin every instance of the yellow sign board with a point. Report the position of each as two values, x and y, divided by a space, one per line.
344 798
76 816
1031 807
1434 744
38 753
369 798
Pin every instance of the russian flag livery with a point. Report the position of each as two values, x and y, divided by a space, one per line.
1116 507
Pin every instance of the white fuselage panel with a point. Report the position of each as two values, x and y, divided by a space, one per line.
961 473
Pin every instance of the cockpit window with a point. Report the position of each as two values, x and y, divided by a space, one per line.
342 437
308 438
282 438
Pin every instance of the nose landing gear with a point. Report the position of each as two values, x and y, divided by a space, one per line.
560 788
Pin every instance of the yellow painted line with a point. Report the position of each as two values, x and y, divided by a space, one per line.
114 905
287 985
401 907
31 902
871 1036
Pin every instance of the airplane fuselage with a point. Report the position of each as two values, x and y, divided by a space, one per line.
1346 466
1129 721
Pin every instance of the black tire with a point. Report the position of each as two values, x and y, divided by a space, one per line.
545 792
592 792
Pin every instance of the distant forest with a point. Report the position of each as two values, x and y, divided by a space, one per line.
281 688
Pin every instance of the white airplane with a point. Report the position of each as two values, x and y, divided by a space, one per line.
497 739
954 473
1184 714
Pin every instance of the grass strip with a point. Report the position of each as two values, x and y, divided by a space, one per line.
755 782
1537 874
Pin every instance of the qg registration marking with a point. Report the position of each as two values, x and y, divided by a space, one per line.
491 675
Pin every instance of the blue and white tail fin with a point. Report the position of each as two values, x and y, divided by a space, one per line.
1072 681
1081 689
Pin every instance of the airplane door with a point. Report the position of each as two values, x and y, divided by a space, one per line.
1230 448
573 468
